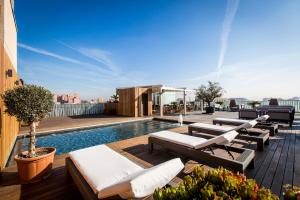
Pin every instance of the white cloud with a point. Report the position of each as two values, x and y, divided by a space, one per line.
231 9
44 52
99 55
71 75
48 53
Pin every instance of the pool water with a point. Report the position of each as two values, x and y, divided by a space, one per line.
73 140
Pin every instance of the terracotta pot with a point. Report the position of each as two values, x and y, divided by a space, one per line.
34 169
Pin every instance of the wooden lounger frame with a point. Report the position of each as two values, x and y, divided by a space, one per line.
273 128
83 187
244 160
244 134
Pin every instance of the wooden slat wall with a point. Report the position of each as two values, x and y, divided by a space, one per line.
130 100
9 126
110 108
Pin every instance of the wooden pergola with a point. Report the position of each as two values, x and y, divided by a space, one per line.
131 101
160 89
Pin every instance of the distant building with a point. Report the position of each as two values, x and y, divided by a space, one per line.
100 100
295 98
66 98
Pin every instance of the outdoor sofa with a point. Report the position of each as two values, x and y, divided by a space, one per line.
100 172
202 149
281 114
246 132
248 113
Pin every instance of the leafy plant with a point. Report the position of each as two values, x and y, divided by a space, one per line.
29 104
253 103
291 192
210 92
219 102
115 98
215 184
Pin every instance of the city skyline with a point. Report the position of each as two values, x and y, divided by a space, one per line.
93 47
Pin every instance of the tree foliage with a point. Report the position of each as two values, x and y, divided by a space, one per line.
28 103
210 92
115 98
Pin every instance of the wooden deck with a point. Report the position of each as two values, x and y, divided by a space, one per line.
277 165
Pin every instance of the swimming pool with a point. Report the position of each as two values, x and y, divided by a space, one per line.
73 140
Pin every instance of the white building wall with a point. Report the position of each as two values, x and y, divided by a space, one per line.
9 31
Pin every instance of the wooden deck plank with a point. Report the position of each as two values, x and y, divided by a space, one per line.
260 157
289 167
296 178
270 173
278 177
263 168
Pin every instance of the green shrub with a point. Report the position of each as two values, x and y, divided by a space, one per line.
215 184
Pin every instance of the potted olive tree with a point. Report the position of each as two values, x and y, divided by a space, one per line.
30 104
209 93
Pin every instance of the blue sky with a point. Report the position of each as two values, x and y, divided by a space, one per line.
91 47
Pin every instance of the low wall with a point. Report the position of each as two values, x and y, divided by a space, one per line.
64 110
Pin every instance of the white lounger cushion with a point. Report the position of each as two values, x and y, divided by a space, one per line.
263 118
155 177
232 120
212 127
102 167
186 140
248 124
194 142
109 173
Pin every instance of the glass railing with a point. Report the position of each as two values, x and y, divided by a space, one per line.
295 103
244 103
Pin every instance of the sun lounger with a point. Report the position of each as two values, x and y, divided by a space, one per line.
202 149
246 132
100 172
273 128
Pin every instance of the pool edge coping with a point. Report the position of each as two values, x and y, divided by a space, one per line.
63 130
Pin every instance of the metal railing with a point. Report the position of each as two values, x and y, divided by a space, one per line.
63 110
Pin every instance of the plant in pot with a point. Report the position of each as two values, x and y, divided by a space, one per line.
253 104
219 103
115 98
209 93
30 104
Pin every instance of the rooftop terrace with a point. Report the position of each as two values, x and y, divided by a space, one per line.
277 165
